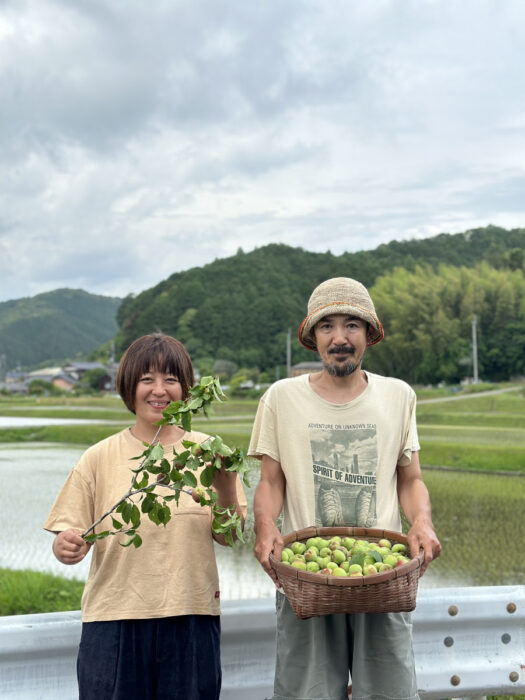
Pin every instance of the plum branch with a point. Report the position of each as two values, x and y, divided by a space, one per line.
178 475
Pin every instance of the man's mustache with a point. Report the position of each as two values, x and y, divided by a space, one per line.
339 349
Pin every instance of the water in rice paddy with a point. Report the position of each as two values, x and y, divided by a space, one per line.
475 516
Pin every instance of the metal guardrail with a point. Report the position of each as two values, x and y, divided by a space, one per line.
467 642
470 641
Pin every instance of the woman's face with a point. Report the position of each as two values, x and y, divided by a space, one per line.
155 390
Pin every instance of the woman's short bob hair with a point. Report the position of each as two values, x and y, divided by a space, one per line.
154 352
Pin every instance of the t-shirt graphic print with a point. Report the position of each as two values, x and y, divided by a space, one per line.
344 471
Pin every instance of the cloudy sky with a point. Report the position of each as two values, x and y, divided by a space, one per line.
141 138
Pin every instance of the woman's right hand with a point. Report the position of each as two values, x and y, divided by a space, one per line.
69 547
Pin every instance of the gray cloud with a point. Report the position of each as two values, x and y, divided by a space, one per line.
141 139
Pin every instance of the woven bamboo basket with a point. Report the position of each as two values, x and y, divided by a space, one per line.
313 594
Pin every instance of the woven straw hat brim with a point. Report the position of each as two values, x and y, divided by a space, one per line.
339 307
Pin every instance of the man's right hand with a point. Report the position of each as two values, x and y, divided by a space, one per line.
268 541
267 505
69 547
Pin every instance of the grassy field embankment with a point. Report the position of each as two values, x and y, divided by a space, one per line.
29 592
474 432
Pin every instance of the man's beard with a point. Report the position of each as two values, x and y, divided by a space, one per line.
343 369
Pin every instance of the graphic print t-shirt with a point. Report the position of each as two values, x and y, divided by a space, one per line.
339 460
344 460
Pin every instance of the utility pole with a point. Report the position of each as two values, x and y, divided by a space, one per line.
475 350
289 353
112 369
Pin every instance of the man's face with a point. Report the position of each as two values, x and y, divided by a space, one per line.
341 342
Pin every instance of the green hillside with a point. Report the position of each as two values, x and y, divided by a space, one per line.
55 326
240 308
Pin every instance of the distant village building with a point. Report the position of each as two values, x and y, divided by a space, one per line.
305 368
78 369
65 377
57 376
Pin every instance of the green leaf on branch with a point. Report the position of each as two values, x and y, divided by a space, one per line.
147 505
135 516
207 457
175 475
186 421
163 514
173 409
131 534
194 462
206 476
126 511
142 483
189 479
219 447
196 403
153 514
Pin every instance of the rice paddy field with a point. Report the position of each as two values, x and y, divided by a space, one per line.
472 452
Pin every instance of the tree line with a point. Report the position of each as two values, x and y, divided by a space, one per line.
237 310
428 316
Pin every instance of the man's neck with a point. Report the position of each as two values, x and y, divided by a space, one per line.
339 390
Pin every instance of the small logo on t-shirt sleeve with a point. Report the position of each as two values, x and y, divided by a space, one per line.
217 594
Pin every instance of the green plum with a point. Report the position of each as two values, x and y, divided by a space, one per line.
323 562
311 554
368 570
299 564
338 556
390 559
381 566
312 566
286 555
399 548
298 547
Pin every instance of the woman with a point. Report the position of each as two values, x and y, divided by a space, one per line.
150 615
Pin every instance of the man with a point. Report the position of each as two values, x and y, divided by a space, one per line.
340 447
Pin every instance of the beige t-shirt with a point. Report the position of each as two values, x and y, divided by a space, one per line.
339 460
174 572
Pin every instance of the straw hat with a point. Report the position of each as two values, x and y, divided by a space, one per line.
340 295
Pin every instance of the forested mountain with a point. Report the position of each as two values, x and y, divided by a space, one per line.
426 291
55 326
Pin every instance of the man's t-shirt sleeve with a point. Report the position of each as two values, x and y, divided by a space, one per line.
264 432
